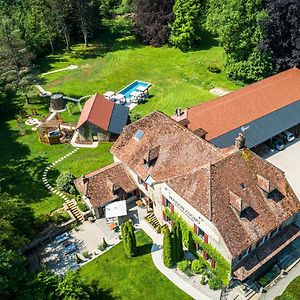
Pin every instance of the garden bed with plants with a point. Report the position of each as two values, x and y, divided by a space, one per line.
217 277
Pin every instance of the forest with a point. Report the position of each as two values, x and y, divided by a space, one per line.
259 38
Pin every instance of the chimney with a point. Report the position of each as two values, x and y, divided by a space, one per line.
240 142
84 179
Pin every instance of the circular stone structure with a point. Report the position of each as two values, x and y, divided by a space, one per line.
57 103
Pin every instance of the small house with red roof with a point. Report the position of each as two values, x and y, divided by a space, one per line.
101 119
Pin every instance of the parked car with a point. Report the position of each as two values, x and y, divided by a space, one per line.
289 136
278 143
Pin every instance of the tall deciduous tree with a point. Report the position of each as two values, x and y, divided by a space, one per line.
15 59
185 30
237 23
152 20
282 33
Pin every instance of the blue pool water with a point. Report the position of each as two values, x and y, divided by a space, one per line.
132 87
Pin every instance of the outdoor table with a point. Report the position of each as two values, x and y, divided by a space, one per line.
139 203
141 88
109 94
112 226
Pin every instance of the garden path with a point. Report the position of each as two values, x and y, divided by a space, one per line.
45 173
156 252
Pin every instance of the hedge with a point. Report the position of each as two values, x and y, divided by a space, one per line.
222 267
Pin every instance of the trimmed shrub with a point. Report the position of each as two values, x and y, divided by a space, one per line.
86 254
60 217
82 206
65 183
197 266
184 265
215 283
179 243
168 254
203 280
214 69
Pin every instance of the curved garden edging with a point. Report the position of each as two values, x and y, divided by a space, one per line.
45 173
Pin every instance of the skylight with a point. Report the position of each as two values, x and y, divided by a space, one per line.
139 134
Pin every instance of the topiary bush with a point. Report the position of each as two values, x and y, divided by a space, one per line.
65 183
103 245
184 265
215 283
82 206
168 253
203 280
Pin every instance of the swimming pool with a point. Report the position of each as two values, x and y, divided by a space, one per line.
135 86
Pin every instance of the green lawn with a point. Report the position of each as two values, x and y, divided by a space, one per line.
292 292
23 159
178 78
137 278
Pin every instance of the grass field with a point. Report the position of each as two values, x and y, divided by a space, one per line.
137 278
292 292
179 79
23 159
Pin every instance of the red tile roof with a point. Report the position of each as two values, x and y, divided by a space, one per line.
100 184
245 105
180 150
98 111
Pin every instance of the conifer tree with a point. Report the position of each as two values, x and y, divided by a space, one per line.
167 248
185 29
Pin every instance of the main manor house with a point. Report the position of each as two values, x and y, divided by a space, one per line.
236 201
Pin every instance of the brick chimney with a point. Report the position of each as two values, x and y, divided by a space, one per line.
240 142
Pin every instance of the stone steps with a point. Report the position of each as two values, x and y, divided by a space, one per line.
152 220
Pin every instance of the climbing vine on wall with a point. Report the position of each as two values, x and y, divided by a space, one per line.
222 267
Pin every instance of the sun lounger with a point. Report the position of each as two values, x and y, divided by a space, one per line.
62 237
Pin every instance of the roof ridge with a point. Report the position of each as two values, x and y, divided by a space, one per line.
103 169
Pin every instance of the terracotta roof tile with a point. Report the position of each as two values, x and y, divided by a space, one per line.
240 231
98 111
235 109
180 151
100 184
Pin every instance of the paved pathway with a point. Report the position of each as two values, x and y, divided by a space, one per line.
156 253
71 67
281 285
45 173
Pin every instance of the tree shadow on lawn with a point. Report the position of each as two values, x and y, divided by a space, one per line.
20 174
96 293
144 249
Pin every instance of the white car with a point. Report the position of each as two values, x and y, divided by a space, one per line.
289 136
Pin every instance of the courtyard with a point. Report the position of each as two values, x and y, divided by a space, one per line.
288 160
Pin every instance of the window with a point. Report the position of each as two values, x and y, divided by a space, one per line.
168 203
199 232
198 248
139 134
168 219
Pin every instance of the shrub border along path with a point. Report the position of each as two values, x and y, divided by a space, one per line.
45 173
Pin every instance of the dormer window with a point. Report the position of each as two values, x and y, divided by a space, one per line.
265 184
237 202
151 156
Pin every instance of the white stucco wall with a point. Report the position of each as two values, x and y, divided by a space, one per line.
192 216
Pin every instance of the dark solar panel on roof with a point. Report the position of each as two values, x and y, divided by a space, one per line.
118 118
139 134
